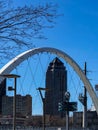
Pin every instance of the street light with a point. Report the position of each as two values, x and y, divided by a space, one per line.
43 100
14 99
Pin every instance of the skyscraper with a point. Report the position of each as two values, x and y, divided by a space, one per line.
56 83
2 93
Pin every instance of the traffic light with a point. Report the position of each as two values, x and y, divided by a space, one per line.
67 96
72 106
60 106
81 98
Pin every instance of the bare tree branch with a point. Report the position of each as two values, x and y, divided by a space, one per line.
18 26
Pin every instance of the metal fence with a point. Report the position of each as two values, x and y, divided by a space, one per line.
40 128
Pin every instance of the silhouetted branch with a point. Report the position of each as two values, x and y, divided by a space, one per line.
18 26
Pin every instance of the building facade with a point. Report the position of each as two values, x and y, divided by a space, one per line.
2 93
92 120
56 84
23 105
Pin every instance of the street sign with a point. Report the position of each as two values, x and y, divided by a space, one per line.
67 106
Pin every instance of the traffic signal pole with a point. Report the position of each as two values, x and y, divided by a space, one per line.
67 120
67 106
67 98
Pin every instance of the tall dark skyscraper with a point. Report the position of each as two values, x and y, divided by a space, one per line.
2 93
56 83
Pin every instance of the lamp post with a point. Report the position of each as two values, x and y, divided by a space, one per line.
43 100
14 99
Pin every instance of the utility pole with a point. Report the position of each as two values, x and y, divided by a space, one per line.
85 101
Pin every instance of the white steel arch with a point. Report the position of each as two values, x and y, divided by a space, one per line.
23 56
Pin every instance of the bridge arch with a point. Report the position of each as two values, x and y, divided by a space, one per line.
23 56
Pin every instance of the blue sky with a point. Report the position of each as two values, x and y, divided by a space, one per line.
75 32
